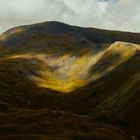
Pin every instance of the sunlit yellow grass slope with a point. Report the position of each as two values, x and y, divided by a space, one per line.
70 71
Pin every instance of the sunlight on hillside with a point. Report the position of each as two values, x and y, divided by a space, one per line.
68 72
126 50
5 36
65 86
20 56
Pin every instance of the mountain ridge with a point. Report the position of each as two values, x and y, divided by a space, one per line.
93 34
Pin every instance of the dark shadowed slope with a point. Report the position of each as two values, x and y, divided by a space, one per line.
65 82
24 34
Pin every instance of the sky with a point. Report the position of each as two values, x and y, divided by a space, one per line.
106 14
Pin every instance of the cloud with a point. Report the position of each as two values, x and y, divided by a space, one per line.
19 12
124 15
112 14
108 14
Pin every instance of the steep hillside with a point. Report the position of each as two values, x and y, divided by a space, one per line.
65 82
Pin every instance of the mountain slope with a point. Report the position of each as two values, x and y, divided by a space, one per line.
25 34
98 70
67 72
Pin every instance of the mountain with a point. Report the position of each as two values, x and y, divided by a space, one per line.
66 82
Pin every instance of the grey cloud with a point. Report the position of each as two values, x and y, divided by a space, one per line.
116 14
18 12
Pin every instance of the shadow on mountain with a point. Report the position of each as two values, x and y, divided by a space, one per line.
23 35
113 99
106 62
103 108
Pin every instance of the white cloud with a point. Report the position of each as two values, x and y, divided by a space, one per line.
112 14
